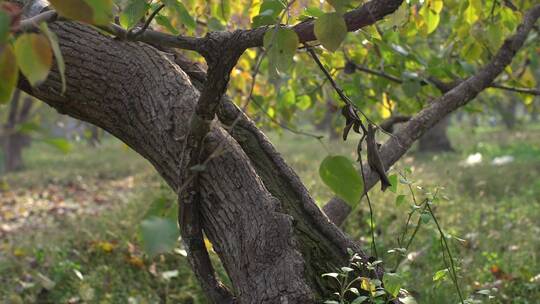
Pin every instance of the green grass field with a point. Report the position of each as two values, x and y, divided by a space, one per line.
82 245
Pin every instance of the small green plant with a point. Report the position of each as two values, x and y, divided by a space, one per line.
355 289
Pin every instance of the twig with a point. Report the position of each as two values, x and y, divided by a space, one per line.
284 126
441 85
134 34
372 224
443 238
32 23
515 89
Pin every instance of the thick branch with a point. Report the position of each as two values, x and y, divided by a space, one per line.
367 14
458 96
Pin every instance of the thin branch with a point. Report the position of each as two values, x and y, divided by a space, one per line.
284 126
371 221
377 73
32 23
135 34
441 85
515 89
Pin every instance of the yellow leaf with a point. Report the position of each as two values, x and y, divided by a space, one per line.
208 244
106 246
34 57
135 261
436 5
473 11
18 252
89 11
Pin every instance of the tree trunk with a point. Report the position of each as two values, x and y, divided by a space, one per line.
14 141
272 239
13 147
436 139
507 111
94 138
327 122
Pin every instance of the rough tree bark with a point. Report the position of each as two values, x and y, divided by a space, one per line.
272 239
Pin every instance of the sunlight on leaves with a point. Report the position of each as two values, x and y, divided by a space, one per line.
281 44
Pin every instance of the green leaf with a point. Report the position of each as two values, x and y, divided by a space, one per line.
8 73
392 283
339 5
431 18
331 30
440 274
281 44
4 26
411 88
61 144
346 269
133 13
359 300
394 181
339 173
268 13
401 16
400 199
53 40
425 217
166 23
182 12
473 11
313 11
303 102
90 11
185 17
159 235
221 9
163 207
34 57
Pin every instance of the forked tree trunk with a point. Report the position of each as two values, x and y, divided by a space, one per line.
272 239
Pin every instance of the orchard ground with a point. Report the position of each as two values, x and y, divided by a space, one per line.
69 223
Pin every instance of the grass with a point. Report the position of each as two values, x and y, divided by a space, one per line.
489 213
